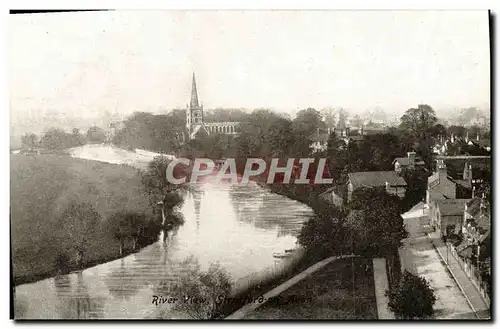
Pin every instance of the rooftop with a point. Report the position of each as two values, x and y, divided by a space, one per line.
375 179
451 207
404 161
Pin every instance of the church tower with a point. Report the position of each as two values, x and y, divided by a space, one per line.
194 113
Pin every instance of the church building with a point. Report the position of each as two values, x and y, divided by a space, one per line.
195 124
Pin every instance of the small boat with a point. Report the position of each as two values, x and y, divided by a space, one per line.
287 251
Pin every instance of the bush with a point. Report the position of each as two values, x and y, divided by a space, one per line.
412 298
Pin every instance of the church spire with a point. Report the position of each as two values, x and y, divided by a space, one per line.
194 94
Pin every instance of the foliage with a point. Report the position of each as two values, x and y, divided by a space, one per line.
80 222
412 298
42 187
29 141
201 292
56 139
160 133
416 188
132 225
419 120
323 236
96 135
158 187
376 221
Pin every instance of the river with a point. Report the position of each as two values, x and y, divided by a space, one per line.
238 226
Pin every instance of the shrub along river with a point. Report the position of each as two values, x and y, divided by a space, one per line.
239 226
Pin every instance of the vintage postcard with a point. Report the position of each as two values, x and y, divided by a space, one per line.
242 165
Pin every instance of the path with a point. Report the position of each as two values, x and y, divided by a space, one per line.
419 257
470 292
248 308
381 286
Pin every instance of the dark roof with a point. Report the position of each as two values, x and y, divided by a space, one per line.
404 161
451 207
375 179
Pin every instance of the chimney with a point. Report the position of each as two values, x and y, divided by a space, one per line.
467 137
473 191
411 160
477 137
441 169
347 131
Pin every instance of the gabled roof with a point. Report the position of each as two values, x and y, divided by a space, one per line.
451 207
404 161
375 179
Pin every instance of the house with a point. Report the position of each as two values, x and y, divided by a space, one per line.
474 251
393 183
441 186
446 215
416 220
409 162
475 227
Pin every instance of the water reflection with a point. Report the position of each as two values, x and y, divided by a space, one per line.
80 305
122 282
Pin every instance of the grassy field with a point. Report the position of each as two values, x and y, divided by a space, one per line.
333 293
42 186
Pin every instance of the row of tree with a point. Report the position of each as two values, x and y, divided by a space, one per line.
58 139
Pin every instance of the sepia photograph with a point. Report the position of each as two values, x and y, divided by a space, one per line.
250 165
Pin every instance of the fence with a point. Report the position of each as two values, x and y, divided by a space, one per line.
472 272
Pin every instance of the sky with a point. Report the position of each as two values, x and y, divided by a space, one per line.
83 64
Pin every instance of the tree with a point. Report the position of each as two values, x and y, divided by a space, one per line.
421 123
337 156
419 120
56 139
412 298
156 184
30 140
80 222
96 135
416 188
324 236
201 293
457 131
77 138
378 214
119 227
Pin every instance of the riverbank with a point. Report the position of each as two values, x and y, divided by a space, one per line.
42 187
31 278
